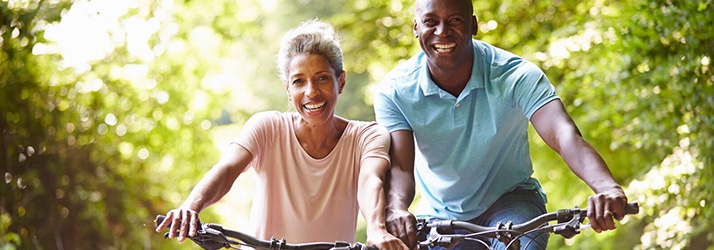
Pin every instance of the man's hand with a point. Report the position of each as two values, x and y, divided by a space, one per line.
402 224
383 240
182 221
605 207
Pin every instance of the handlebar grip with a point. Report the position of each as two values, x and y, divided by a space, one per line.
159 219
632 208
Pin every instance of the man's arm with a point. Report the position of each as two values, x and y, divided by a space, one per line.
400 188
558 130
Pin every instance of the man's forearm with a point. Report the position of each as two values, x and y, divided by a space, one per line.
400 189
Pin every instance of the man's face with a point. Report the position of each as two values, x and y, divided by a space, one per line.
444 29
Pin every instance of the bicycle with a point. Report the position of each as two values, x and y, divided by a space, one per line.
211 236
569 223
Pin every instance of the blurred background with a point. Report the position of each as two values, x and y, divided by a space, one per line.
111 110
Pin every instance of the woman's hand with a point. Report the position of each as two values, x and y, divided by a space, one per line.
183 222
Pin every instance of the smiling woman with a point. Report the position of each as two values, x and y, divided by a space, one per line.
314 171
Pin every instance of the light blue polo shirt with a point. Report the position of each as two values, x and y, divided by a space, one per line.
474 146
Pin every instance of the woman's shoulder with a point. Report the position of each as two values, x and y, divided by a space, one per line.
358 127
272 118
271 115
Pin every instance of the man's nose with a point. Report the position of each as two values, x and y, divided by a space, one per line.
442 30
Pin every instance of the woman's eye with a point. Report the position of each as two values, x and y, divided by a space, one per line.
322 78
297 81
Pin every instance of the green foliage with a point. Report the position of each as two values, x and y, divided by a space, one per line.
94 144
637 79
87 154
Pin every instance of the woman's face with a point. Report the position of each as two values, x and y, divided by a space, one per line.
313 87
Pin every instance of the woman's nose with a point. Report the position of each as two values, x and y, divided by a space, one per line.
312 89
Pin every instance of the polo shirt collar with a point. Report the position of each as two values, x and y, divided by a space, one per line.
429 87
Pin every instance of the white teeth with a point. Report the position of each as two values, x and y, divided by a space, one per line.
444 47
314 105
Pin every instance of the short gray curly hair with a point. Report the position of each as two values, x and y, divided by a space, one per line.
311 37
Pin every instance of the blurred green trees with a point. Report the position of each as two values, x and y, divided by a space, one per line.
107 107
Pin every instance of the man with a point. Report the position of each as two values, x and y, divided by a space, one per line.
466 105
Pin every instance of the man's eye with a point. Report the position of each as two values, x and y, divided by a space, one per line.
455 20
322 78
297 81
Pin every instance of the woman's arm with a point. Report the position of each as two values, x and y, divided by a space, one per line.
371 198
210 189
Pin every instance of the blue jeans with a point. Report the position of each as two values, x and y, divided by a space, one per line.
517 206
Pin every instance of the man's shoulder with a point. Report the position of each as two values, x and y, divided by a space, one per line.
493 54
499 61
406 70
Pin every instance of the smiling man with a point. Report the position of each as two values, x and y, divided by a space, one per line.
467 105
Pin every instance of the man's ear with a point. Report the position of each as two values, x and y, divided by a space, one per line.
416 34
474 28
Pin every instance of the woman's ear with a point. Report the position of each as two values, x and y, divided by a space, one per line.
287 92
341 82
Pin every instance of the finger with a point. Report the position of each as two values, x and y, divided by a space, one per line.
397 244
411 232
194 224
397 228
175 224
185 219
594 213
402 246
164 223
609 221
619 209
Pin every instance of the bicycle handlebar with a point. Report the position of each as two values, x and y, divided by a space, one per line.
212 236
568 225
562 215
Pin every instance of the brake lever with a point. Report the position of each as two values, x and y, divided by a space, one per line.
211 237
571 228
208 236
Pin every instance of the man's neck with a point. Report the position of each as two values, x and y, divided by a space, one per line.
453 81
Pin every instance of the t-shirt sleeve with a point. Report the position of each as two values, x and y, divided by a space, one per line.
255 133
375 142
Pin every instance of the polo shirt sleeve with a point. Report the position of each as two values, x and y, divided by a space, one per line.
532 88
386 109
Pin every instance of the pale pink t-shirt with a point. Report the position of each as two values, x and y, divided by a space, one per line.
301 198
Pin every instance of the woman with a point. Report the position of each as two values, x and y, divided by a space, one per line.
314 170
